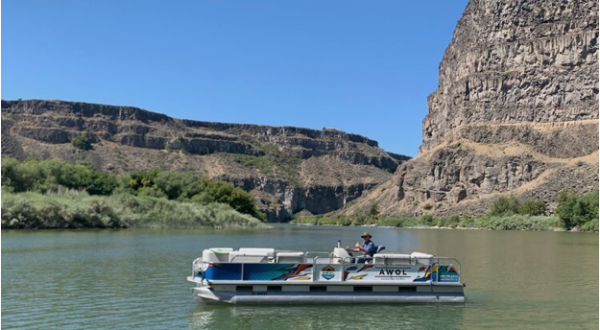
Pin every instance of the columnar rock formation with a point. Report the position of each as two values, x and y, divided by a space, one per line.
288 169
515 112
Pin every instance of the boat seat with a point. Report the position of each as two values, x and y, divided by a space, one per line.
216 254
251 255
222 249
258 251
422 258
240 257
290 257
392 259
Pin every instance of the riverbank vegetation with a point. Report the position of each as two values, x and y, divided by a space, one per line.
574 212
579 211
514 222
56 194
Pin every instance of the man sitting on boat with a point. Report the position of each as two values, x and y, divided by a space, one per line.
368 247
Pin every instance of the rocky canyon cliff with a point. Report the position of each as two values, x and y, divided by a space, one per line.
287 169
515 111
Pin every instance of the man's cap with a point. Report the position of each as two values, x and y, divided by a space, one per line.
365 234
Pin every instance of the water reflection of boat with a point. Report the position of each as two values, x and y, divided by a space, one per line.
266 276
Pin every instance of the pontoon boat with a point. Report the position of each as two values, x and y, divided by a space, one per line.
266 276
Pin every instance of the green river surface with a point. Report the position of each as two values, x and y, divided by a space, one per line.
136 279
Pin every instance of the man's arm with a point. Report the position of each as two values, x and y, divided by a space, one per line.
357 248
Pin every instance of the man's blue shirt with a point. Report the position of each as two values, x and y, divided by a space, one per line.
371 249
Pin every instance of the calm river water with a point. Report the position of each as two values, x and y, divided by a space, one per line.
135 279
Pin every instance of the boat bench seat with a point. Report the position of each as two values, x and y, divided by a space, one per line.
290 257
251 255
422 258
394 259
402 259
257 251
216 254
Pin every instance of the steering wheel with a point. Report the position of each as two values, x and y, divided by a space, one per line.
349 252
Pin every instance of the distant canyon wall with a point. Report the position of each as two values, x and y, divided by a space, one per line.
288 169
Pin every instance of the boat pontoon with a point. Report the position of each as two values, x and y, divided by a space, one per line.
266 276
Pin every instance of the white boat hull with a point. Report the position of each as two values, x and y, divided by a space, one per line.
203 294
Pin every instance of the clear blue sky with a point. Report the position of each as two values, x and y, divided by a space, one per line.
364 67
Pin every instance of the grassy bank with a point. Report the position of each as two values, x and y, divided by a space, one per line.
574 212
56 194
77 209
513 222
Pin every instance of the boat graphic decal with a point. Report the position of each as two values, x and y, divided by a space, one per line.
300 278
257 272
364 267
295 273
352 269
439 274
358 277
328 272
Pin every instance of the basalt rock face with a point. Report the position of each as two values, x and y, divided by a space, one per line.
288 169
515 112
515 62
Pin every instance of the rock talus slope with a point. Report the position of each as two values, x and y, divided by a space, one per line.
515 111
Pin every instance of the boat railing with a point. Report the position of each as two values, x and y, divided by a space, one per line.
440 261
320 254
196 266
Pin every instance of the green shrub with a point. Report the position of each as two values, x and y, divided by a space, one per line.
574 210
532 207
151 192
359 220
140 179
398 222
100 184
451 221
590 226
374 209
427 220
505 206
81 142
50 175
227 193
177 185
187 187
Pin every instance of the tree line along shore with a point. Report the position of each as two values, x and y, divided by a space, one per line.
55 194
574 212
